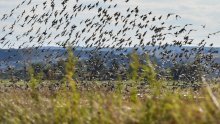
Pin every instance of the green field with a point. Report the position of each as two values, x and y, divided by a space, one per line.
105 102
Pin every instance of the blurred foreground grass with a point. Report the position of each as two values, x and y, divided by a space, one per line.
98 104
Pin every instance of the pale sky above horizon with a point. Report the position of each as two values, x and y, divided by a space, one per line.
197 12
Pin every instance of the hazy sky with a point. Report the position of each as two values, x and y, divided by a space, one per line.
197 12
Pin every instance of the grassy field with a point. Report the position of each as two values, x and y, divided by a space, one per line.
108 103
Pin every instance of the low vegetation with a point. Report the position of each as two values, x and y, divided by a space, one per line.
142 99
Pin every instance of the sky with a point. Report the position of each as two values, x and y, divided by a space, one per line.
197 12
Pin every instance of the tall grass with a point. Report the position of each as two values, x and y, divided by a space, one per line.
77 103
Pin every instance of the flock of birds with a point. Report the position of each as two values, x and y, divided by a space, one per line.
101 24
